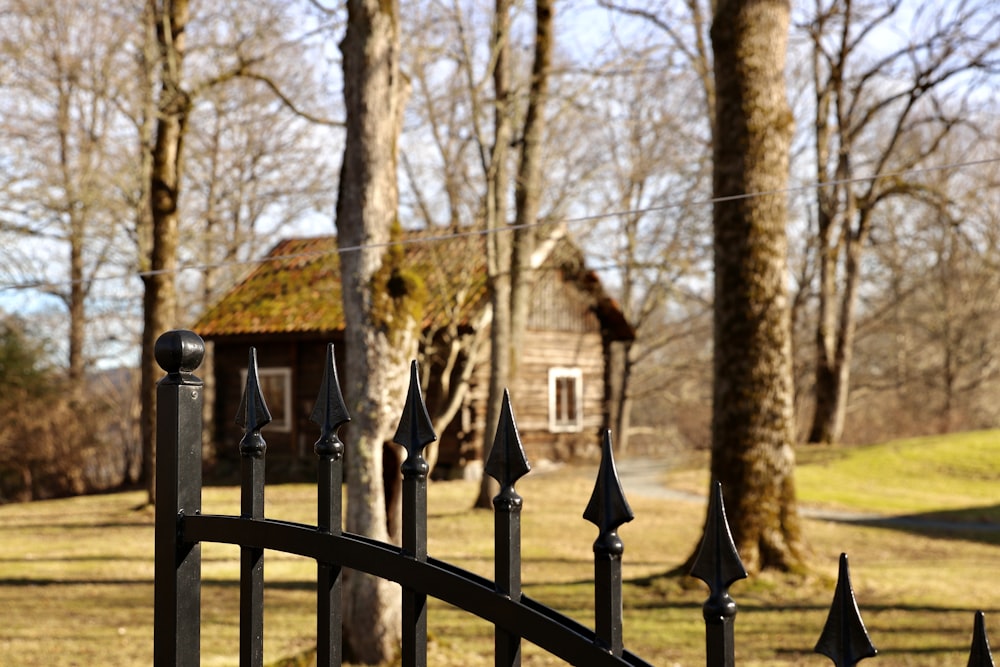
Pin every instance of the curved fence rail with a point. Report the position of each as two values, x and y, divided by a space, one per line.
181 528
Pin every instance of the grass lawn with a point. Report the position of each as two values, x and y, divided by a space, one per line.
76 575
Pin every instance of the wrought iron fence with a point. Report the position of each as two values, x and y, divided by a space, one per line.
181 528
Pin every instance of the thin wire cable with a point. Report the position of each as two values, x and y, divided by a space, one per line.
446 236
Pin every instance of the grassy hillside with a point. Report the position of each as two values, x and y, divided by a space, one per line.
76 575
954 472
951 476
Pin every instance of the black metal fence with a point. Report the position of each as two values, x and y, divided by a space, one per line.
181 528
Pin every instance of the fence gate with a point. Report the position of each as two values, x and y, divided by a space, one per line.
181 528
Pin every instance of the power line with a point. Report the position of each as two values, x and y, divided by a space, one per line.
447 236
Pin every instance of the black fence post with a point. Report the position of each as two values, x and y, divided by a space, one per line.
414 432
507 464
177 596
330 414
608 509
718 564
253 415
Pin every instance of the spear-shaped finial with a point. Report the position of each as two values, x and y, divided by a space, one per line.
507 462
415 430
608 509
330 412
980 655
845 639
253 414
718 562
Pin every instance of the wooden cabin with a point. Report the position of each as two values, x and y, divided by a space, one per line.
289 308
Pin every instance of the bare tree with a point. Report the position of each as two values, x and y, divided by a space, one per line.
61 118
453 186
381 303
878 113
471 180
446 118
510 249
656 174
752 420
167 21
498 241
253 169
927 356
237 46
528 182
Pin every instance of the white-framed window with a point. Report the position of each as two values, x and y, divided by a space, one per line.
276 386
565 400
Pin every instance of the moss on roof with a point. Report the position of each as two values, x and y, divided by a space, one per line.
296 288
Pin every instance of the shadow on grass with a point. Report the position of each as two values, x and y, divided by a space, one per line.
31 582
883 652
978 524
70 527
89 558
823 607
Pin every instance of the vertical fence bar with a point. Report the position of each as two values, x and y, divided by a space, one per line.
177 596
330 414
507 464
414 433
608 509
253 415
718 564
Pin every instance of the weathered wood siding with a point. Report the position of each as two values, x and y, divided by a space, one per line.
304 358
563 332
558 304
545 350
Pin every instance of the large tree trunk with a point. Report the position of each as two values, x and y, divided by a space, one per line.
381 323
752 418
159 298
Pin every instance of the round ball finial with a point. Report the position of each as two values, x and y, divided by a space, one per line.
179 351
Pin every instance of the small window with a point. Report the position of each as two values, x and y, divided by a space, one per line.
276 386
565 398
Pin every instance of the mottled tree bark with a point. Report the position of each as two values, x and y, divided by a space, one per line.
381 323
752 418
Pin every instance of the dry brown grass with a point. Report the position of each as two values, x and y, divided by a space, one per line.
76 582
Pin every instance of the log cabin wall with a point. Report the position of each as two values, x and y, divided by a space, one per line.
558 393
547 351
291 435
563 339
